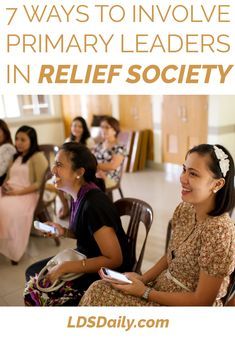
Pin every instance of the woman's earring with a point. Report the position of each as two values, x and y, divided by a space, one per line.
214 191
78 177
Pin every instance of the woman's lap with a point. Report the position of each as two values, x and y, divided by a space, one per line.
101 293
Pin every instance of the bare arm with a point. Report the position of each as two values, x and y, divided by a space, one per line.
205 294
153 272
111 256
113 164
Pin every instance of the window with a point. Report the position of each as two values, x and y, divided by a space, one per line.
12 106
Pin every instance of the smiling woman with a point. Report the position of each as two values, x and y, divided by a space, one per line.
94 222
201 254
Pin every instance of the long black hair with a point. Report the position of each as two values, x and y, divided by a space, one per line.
81 156
85 133
6 132
225 197
31 132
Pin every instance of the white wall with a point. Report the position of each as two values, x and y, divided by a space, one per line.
50 129
221 122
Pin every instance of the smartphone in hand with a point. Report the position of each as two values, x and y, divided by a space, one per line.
45 228
113 276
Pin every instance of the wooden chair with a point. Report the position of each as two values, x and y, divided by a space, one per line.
109 191
139 211
41 212
124 138
49 151
168 235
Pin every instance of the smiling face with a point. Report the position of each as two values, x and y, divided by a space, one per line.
22 143
65 178
77 129
107 131
198 183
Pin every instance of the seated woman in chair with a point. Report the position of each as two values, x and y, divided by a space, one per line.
109 153
80 133
7 150
201 253
94 223
19 194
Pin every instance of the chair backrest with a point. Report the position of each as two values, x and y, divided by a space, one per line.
139 211
126 138
41 212
49 150
168 234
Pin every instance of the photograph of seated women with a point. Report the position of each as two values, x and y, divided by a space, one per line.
201 253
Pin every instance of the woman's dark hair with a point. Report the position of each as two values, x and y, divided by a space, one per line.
6 131
114 123
30 131
225 197
85 133
81 156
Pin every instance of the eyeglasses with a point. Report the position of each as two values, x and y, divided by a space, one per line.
105 127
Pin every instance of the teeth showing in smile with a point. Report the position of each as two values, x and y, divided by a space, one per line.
186 190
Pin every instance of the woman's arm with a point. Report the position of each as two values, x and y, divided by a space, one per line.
157 269
30 189
6 155
111 256
205 294
113 164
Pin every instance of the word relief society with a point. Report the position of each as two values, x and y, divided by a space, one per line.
149 74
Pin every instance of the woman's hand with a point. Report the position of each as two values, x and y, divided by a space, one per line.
8 190
12 192
137 287
55 273
101 174
60 230
133 275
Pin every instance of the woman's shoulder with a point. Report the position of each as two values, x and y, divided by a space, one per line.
8 148
97 199
90 143
221 223
184 209
39 158
38 155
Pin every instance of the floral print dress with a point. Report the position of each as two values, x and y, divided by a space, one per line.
104 155
207 246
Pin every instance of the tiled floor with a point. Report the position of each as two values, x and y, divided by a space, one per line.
160 189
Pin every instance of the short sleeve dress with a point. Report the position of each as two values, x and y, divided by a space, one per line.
105 155
194 246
